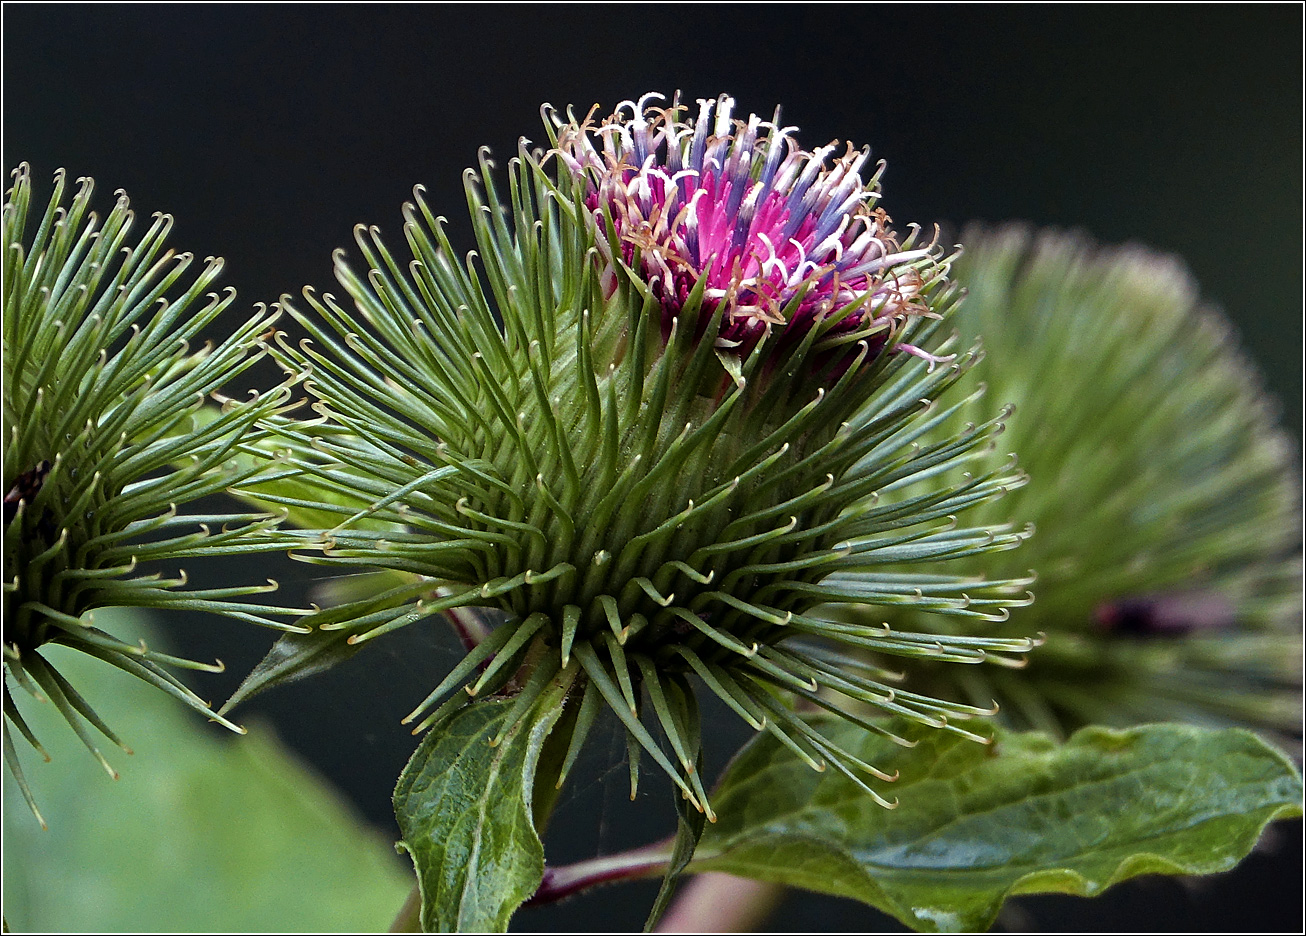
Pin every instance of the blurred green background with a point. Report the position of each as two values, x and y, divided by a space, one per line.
202 831
270 131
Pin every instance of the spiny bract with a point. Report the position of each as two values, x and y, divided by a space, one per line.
668 429
1167 504
105 439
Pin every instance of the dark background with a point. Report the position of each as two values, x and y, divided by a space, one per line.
270 131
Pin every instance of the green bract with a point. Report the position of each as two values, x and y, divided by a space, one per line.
643 500
102 399
1166 503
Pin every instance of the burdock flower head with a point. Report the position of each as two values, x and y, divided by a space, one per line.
107 439
1167 500
781 238
665 433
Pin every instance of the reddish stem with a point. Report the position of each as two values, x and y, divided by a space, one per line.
566 880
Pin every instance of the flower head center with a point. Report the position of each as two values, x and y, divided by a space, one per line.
780 237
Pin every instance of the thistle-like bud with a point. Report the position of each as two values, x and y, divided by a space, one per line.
1167 503
666 433
106 440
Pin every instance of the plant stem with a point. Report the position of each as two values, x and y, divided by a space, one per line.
409 918
721 903
560 882
469 625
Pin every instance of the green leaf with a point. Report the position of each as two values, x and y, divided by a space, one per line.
464 809
690 818
204 832
689 830
976 824
296 656
293 657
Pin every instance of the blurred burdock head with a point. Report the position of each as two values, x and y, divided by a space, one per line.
1166 499
554 438
106 440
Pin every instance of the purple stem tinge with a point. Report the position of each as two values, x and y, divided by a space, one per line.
560 882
